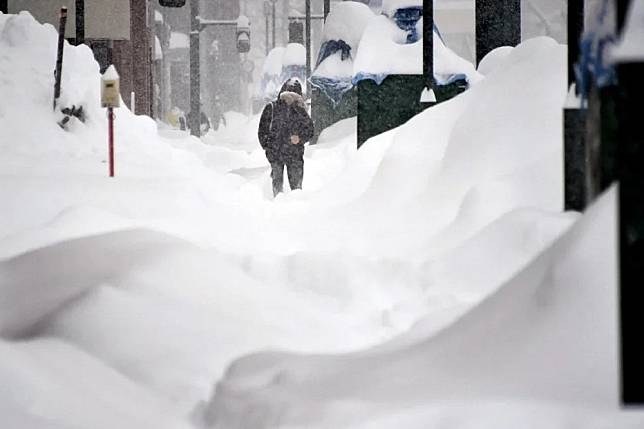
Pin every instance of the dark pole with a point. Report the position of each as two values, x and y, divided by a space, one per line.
575 30
576 166
622 10
195 107
428 42
630 158
308 47
267 40
327 8
110 137
498 23
59 56
273 13
80 22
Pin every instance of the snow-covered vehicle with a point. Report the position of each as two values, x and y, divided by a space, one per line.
271 74
360 46
294 64
281 64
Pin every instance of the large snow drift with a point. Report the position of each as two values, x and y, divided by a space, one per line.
546 339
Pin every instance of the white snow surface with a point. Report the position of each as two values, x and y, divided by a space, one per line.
347 21
273 62
294 54
124 300
383 50
494 60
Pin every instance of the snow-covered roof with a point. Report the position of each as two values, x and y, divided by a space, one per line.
347 21
179 40
273 62
294 54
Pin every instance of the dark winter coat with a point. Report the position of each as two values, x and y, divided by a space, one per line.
281 119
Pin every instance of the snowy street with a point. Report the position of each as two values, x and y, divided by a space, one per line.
430 279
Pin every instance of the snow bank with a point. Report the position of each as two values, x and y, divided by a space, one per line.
563 306
47 383
494 60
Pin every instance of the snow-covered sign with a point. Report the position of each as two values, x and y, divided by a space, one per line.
103 19
179 40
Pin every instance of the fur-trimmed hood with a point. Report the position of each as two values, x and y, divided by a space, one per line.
293 98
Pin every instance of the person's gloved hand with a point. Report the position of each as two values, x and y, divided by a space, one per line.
295 139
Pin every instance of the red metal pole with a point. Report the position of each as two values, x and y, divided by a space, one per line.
110 121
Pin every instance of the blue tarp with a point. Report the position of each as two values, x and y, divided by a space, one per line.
593 65
334 89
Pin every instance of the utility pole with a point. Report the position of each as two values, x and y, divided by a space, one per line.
267 12
630 158
574 118
80 22
273 13
428 42
498 23
195 87
308 47
327 8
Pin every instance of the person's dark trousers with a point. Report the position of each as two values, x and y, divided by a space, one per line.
277 174
295 171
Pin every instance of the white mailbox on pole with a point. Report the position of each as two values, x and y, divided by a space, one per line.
110 98
110 94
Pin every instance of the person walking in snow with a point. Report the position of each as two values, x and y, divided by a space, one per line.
217 114
284 127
